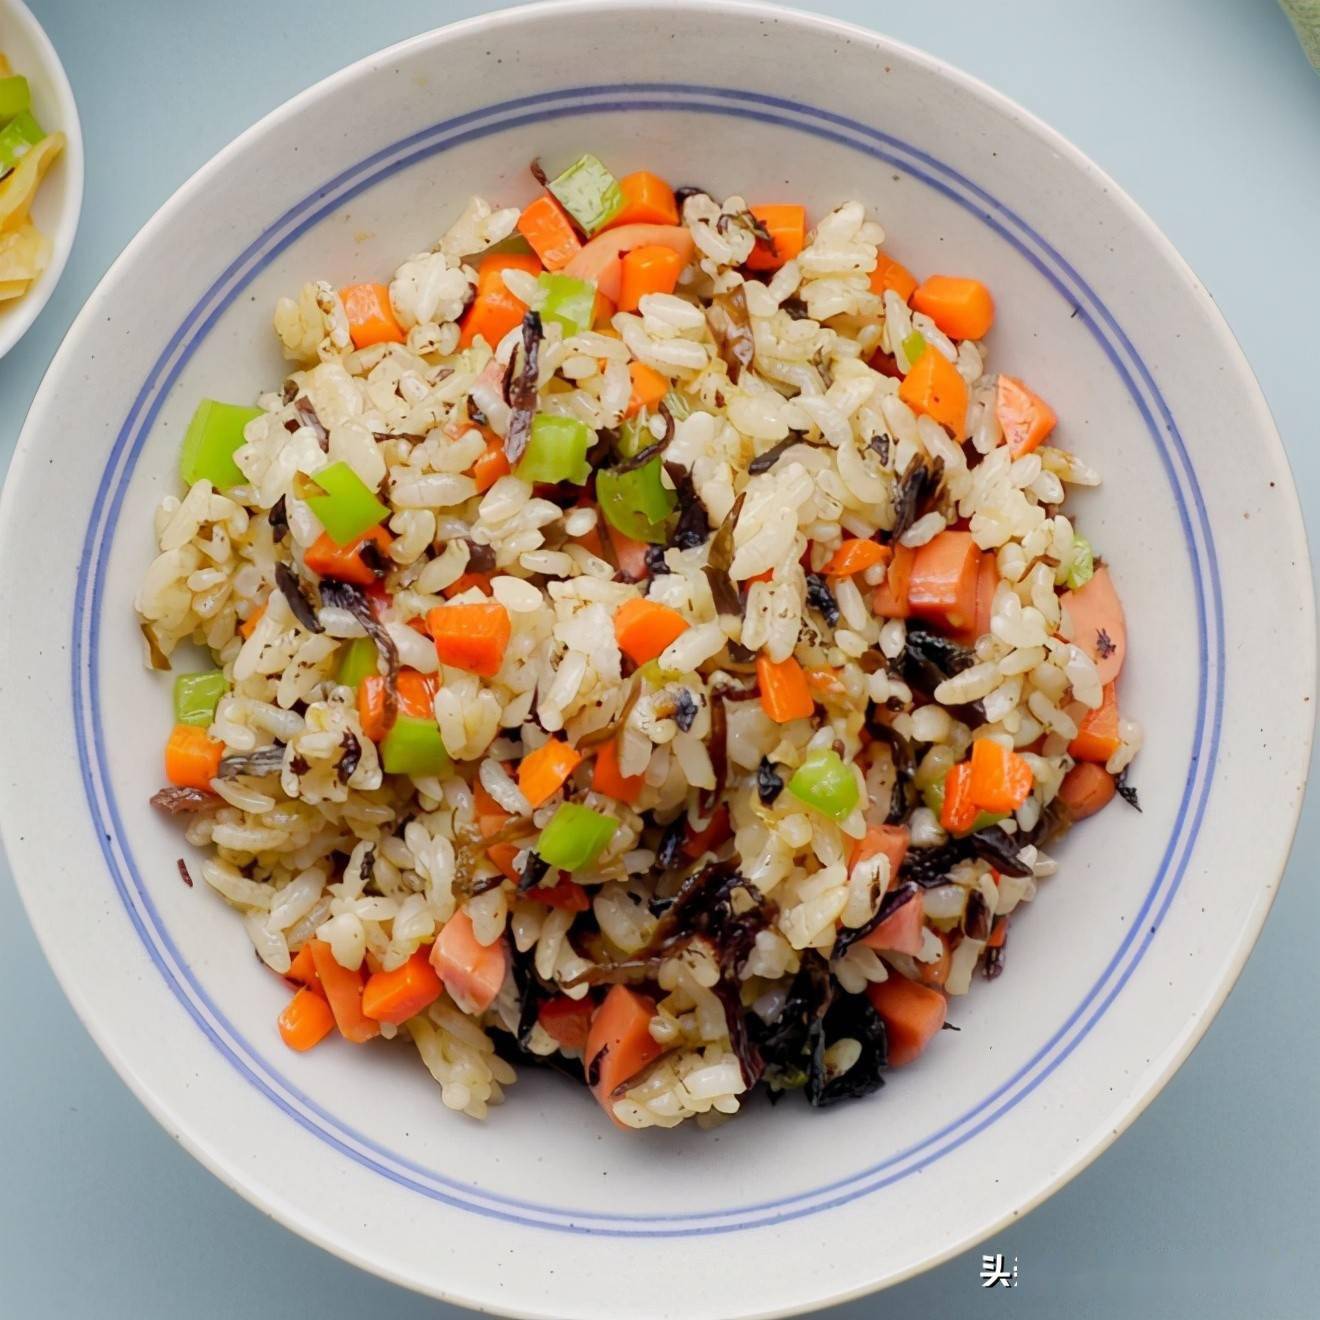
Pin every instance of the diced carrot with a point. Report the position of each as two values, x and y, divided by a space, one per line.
998 934
495 311
306 1020
891 596
987 583
371 319
567 895
856 555
913 1015
785 695
644 628
465 582
566 1021
934 387
416 698
345 562
825 684
472 972
490 815
504 855
606 778
1025 418
961 307
1098 626
546 226
343 990
303 969
900 931
192 759
472 637
651 269
600 261
543 772
787 227
888 274
958 813
1001 779
647 200
648 388
892 840
249 625
1086 789
630 555
491 465
708 840
944 577
590 540
601 312
936 972
619 1042
1097 735
403 993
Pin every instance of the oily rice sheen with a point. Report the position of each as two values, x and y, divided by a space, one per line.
660 651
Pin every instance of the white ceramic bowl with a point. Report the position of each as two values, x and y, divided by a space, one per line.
58 202
1114 972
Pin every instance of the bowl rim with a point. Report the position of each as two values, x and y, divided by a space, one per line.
752 9
66 228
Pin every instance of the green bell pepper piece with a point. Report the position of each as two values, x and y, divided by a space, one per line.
634 436
358 662
652 673
556 451
589 193
570 302
197 695
414 747
823 781
212 437
17 138
348 508
575 836
933 796
914 345
1082 568
15 97
636 502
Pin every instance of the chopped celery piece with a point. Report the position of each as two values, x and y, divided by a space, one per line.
17 138
823 781
655 676
14 96
575 836
514 245
1082 568
914 346
678 406
933 796
414 747
348 508
636 502
634 436
358 662
215 432
197 695
556 451
589 193
570 302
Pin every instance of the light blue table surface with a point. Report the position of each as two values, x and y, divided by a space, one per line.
1206 112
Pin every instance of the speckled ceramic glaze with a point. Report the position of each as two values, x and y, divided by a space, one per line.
1114 972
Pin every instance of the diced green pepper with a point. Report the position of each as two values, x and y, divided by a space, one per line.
348 508
652 673
1082 568
823 781
14 96
634 436
914 345
414 747
197 695
556 451
933 796
570 302
575 836
588 192
17 138
358 662
636 502
213 435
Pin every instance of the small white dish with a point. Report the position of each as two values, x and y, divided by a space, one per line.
58 202
1116 970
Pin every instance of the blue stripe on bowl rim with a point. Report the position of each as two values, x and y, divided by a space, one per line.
631 99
